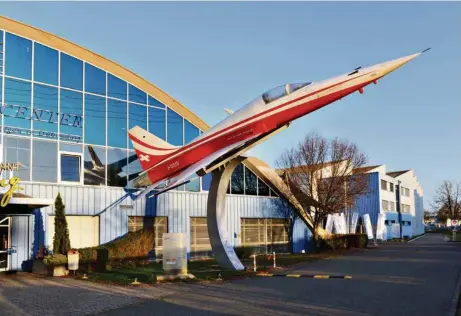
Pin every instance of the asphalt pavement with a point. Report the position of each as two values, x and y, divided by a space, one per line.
416 278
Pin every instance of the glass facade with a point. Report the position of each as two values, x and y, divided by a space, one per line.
66 120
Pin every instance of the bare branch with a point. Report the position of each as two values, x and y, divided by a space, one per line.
321 175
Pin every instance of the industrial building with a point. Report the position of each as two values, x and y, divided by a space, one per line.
398 196
64 121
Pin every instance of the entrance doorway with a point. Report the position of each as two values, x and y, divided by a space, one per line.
5 237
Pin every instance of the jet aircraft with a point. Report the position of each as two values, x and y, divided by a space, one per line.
166 167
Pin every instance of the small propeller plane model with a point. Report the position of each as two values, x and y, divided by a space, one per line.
166 167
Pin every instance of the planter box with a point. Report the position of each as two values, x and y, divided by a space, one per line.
58 271
39 267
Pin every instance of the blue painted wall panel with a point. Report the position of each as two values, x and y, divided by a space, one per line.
370 202
22 236
301 237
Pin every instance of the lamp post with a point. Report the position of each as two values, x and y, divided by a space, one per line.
399 211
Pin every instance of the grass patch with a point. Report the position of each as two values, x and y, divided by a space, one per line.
206 270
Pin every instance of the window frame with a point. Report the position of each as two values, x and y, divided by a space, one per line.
70 153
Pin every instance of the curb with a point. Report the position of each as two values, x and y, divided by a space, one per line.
416 238
455 299
314 276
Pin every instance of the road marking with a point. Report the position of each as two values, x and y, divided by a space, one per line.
293 275
314 276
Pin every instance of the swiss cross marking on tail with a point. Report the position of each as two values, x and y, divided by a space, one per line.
144 158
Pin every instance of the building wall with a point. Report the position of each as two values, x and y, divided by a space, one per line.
370 203
113 206
22 241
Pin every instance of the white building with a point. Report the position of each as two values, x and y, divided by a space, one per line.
391 194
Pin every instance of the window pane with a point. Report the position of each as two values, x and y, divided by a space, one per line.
116 87
70 168
383 185
206 182
263 189
18 56
193 186
71 72
45 114
157 122
44 161
116 166
134 167
18 150
175 128
155 102
17 104
71 102
94 165
237 183
70 147
250 182
138 117
95 120
190 131
137 95
116 123
95 80
45 64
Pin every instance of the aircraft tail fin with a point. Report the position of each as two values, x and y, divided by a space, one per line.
149 148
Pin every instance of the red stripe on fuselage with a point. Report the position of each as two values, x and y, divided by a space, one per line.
173 166
184 148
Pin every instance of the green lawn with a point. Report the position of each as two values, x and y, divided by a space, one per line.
205 270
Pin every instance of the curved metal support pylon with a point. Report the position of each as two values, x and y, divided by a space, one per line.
223 250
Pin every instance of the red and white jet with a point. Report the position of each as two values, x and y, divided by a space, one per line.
241 130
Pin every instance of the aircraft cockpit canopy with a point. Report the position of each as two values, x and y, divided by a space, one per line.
283 90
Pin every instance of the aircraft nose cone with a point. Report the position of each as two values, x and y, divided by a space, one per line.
392 65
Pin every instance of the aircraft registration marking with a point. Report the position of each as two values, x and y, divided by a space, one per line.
173 165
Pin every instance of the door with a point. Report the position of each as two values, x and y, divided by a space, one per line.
5 234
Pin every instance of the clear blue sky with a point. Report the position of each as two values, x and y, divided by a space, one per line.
215 55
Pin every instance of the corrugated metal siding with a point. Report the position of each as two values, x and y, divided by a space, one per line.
370 203
105 202
22 236
301 237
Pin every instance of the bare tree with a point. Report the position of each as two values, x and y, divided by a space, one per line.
324 176
447 201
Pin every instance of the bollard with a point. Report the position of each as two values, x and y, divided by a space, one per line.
254 263
274 259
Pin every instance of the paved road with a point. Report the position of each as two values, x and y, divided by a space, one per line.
417 278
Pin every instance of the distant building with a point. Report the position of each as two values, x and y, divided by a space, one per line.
391 194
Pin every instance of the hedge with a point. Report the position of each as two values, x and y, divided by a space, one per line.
345 241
